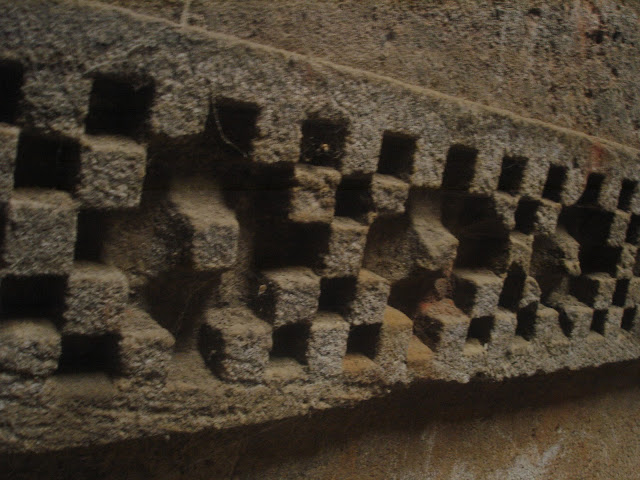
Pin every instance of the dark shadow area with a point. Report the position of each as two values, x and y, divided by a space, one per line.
90 235
526 215
526 322
232 126
460 168
181 310
396 155
599 321
119 106
512 174
363 339
89 354
629 188
40 296
554 184
592 190
47 162
11 79
480 329
290 341
353 198
323 142
337 293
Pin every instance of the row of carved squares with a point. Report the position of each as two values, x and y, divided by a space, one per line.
481 329
291 341
516 296
323 144
608 321
603 322
461 165
289 297
120 106
117 106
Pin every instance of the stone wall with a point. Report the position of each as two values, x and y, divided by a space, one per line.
201 231
570 63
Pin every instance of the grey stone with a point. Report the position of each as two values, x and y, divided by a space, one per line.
327 344
345 249
313 196
288 295
594 289
389 194
477 292
393 345
212 227
96 294
111 173
370 299
40 233
145 348
547 215
443 327
29 346
235 344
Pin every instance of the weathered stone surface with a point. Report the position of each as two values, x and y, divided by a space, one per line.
369 300
145 348
235 344
40 232
96 294
313 197
29 346
393 346
288 295
277 186
345 249
212 227
111 173
327 344
477 293
389 194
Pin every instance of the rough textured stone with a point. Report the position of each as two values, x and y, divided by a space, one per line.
389 194
111 173
241 207
212 226
313 197
345 249
477 293
288 295
235 344
443 327
369 300
596 289
145 348
327 344
395 335
40 232
29 346
96 294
